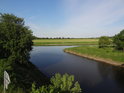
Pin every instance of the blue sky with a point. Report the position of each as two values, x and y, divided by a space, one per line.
68 18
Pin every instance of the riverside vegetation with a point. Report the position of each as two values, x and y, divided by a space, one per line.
108 51
15 46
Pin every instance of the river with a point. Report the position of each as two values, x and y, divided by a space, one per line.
94 77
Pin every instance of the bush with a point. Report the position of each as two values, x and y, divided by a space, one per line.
104 41
59 84
119 41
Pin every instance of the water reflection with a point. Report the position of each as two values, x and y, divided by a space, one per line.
119 76
94 77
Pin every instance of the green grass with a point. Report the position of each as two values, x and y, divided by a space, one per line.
47 42
106 53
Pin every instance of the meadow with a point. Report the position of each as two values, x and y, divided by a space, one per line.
109 54
64 42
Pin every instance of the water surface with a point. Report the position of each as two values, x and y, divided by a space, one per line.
94 77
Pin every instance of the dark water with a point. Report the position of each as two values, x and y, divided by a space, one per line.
94 77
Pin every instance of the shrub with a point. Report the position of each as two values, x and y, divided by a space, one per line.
104 41
59 84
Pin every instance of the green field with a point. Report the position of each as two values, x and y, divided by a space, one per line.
70 42
106 53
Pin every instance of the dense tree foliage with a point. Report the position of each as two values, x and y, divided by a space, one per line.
119 41
104 41
59 84
15 38
15 46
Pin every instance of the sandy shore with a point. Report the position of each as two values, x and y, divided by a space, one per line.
107 61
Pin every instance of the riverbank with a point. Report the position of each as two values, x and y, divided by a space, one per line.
107 55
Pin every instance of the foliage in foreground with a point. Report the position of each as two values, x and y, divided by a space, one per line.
59 84
15 46
104 41
119 40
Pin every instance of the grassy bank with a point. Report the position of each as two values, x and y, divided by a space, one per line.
107 55
62 42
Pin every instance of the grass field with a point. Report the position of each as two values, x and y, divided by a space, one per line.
108 53
52 42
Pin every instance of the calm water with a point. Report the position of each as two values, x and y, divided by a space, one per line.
94 77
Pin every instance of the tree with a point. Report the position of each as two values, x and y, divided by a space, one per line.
119 41
15 38
59 84
104 41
